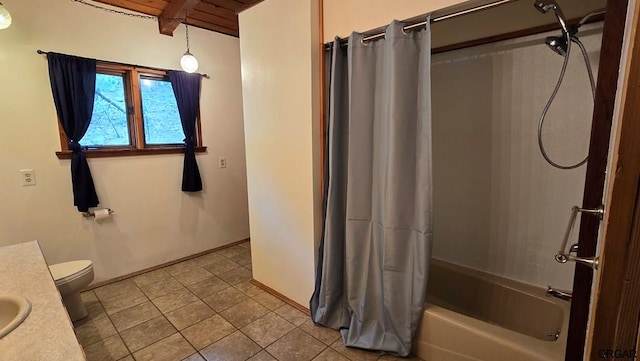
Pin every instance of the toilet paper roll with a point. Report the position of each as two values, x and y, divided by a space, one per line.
101 213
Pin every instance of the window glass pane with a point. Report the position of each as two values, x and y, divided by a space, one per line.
160 112
109 120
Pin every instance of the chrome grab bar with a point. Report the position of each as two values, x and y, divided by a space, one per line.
564 257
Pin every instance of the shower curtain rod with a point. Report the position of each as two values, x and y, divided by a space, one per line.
378 33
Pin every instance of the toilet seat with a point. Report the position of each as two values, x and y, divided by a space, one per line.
68 271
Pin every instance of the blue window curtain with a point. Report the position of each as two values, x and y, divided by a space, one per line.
73 84
186 87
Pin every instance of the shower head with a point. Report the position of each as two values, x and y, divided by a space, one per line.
544 6
557 43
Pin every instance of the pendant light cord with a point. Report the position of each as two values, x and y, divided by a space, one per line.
186 29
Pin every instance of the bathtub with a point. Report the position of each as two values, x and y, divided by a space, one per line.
475 316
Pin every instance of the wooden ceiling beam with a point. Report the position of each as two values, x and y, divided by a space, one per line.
213 19
157 4
214 27
231 5
218 11
216 15
174 10
128 5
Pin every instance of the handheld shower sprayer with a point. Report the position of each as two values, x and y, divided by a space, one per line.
544 6
562 46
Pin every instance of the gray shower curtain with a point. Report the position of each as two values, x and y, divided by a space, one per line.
376 245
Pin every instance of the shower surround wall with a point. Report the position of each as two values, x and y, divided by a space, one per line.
499 207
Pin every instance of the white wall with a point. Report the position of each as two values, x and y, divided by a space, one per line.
499 206
279 44
154 222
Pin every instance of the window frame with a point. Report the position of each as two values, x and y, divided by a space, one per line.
135 122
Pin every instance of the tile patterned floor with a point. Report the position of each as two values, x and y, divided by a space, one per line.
203 309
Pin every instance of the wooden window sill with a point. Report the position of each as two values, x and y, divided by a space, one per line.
66 154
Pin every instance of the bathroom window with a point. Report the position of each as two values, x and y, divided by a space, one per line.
109 125
134 113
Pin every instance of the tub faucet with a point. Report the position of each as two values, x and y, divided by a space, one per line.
573 248
561 294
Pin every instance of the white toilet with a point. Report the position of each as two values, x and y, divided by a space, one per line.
70 278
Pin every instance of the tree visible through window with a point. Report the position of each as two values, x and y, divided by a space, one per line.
109 125
134 110
160 113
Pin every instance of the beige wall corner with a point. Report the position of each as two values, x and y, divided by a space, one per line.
281 117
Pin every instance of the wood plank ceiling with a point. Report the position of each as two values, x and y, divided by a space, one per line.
216 15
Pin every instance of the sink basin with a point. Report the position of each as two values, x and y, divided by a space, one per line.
13 310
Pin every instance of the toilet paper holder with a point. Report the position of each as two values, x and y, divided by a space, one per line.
93 214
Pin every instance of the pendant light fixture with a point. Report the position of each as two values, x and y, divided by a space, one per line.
188 62
5 17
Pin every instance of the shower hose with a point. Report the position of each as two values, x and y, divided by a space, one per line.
585 56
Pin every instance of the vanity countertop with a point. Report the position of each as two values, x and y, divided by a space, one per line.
47 333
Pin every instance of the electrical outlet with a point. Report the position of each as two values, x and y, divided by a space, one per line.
28 177
222 162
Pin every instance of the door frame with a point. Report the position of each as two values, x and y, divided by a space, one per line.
603 112
616 303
